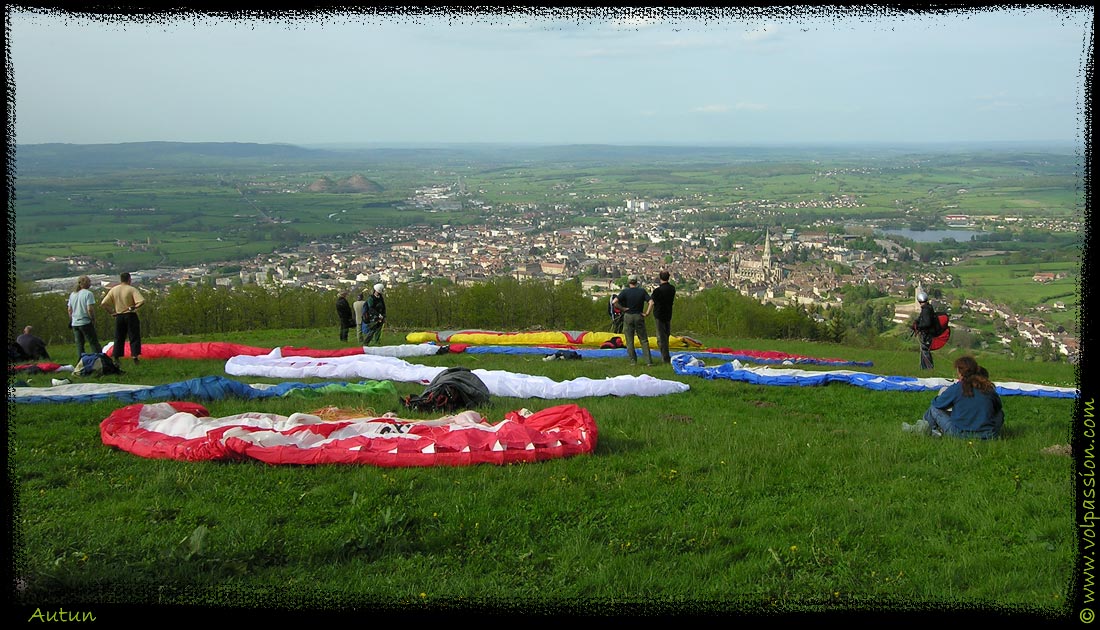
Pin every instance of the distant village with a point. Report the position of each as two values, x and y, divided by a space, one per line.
782 267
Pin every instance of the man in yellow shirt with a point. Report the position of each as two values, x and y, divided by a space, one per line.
123 301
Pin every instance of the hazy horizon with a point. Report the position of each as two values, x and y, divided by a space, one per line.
789 77
1052 144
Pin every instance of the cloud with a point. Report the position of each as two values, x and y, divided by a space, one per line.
597 52
999 101
741 106
634 23
687 42
763 33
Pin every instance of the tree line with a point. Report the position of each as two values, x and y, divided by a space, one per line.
503 304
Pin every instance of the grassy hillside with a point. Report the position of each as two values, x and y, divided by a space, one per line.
727 498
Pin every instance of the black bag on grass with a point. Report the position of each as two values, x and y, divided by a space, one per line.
452 389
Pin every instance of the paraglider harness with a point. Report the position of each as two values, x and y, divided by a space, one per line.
452 389
616 314
614 342
95 364
372 336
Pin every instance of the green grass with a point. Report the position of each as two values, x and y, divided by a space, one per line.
729 497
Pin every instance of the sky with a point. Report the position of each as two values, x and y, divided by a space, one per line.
723 76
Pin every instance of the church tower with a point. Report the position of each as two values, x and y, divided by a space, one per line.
755 270
766 259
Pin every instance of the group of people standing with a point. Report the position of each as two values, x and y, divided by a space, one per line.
969 407
635 304
122 302
367 315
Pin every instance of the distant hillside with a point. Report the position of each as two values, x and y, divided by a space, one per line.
45 158
353 184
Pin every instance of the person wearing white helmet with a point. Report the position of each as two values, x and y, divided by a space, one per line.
374 316
924 327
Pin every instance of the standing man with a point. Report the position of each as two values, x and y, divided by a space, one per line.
636 303
82 316
123 301
343 311
663 296
925 327
374 316
357 309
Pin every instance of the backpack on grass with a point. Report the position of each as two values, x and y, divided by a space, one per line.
95 364
454 388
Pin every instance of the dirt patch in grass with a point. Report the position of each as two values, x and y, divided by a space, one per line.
1059 449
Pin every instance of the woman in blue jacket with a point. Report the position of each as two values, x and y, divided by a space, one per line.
969 407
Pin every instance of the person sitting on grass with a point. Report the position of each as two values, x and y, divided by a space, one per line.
32 345
969 407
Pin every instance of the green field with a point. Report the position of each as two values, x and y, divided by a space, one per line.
730 498
1013 284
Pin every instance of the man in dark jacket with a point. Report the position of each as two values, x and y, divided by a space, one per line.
663 296
636 304
343 311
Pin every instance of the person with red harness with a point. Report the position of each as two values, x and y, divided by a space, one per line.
926 327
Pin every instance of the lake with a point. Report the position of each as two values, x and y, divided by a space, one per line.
933 236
